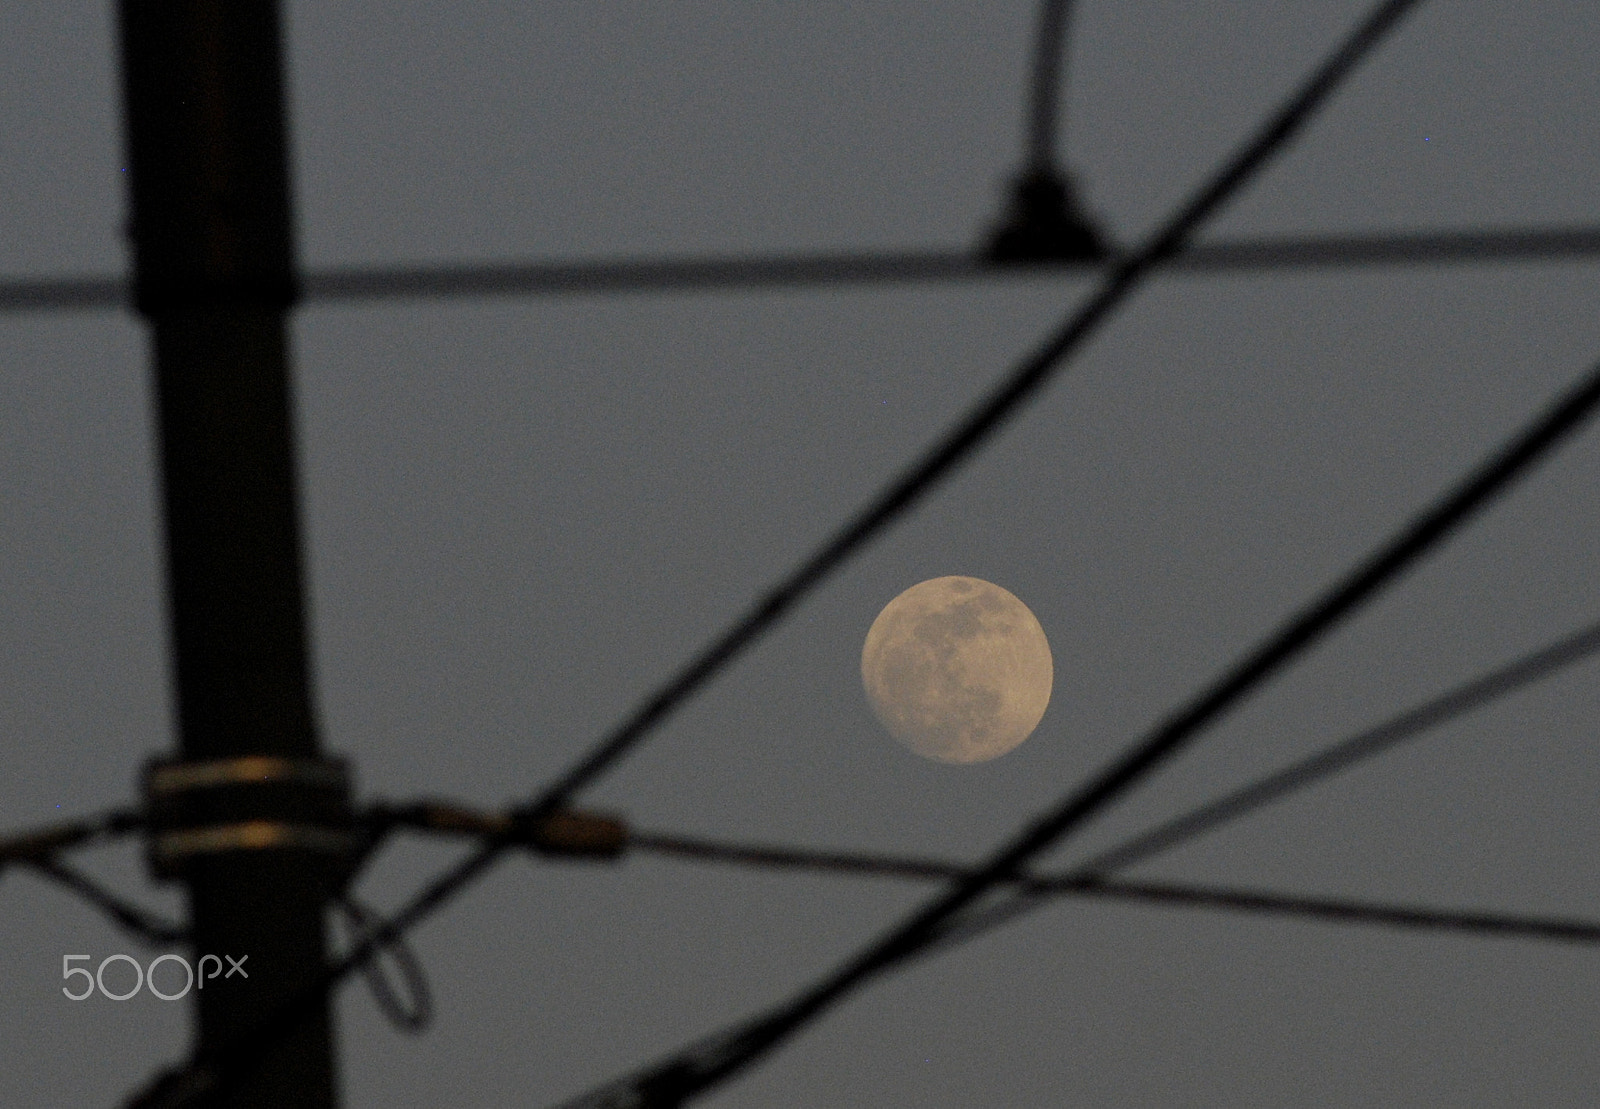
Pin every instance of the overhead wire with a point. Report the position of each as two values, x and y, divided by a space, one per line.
40 842
682 1076
39 850
353 285
1341 910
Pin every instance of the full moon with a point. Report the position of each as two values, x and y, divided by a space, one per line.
957 669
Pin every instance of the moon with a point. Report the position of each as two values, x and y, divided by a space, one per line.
957 669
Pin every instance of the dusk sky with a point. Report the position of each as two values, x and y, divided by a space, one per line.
523 513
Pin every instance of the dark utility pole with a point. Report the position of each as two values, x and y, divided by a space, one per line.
249 816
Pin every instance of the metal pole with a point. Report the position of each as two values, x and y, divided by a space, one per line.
1044 105
249 816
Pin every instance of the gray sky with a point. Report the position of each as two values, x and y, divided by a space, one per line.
521 514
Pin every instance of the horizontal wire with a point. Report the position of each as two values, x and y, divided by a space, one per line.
1513 677
1347 910
1532 667
38 849
446 281
930 266
45 841
795 858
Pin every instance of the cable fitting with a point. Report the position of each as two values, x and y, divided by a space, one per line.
1045 223
565 832
572 833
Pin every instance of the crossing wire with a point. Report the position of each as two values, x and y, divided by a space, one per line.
980 424
1341 756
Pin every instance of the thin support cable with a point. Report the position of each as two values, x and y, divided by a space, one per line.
1048 66
1343 911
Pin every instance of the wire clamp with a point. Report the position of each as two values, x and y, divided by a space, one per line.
243 804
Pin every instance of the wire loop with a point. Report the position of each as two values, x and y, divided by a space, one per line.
361 920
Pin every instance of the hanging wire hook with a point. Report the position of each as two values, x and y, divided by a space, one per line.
359 920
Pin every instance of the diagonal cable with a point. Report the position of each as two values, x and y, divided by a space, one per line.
38 850
1004 402
130 917
1345 911
40 842
1474 694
